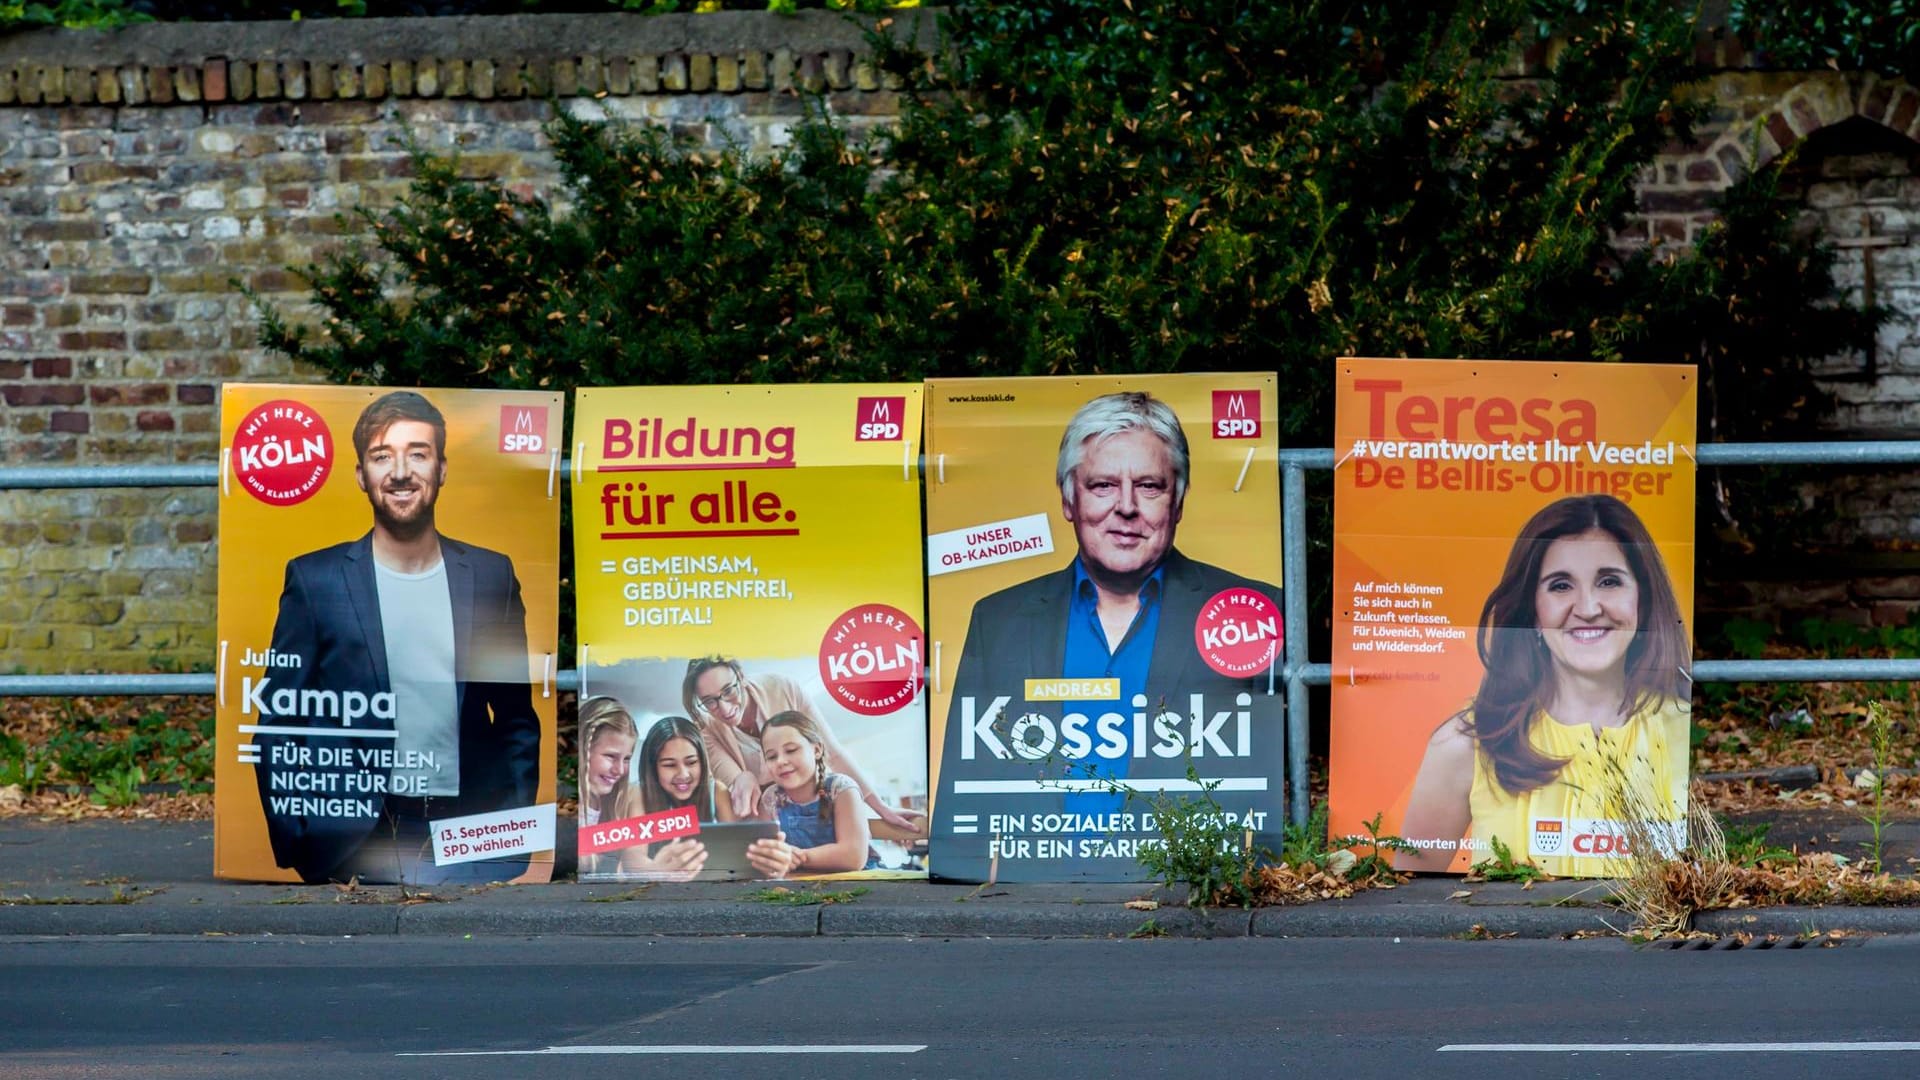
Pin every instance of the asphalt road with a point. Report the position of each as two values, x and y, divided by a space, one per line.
282 1007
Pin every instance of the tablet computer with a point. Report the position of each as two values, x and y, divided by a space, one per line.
726 843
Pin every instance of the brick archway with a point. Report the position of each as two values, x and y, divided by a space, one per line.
1817 102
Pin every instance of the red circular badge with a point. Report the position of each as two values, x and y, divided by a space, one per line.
282 453
1238 632
871 661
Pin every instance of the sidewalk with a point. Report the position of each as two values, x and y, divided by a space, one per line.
116 877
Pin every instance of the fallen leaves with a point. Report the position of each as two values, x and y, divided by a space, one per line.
1279 885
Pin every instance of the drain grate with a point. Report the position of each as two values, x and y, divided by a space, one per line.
1746 941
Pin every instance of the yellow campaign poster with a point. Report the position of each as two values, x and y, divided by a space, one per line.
750 631
389 608
1513 598
1103 557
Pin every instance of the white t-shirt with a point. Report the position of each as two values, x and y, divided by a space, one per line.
416 618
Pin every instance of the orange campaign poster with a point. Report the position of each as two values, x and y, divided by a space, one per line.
388 615
1513 604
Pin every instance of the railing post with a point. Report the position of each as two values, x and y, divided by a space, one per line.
1293 573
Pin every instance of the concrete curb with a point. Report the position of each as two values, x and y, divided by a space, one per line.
1431 920
1795 921
314 920
731 918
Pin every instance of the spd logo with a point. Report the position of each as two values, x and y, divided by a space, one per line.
523 429
1236 414
879 419
1548 836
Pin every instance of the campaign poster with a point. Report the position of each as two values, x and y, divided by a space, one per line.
1103 559
1513 609
388 620
752 652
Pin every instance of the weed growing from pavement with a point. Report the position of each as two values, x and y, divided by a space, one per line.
1149 929
1201 844
120 787
1375 863
116 897
1747 845
634 893
1504 867
781 895
1879 725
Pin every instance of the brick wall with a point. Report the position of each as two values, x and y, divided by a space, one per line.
143 173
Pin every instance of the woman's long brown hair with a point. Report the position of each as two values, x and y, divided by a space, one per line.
1519 671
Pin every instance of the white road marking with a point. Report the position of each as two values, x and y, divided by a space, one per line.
1679 1048
849 1048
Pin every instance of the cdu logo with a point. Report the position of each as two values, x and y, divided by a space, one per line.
1236 414
879 419
523 429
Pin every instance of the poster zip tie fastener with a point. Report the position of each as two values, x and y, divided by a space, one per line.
220 680
1271 670
906 462
1342 461
226 458
1687 675
934 682
546 677
1688 450
579 451
583 667
1244 466
940 466
553 470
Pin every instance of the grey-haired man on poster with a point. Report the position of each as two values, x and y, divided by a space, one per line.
1124 609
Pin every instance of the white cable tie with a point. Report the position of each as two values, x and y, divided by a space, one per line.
553 470
222 677
546 676
226 483
940 464
1273 668
579 451
906 462
1687 675
1350 675
1244 466
1688 450
583 672
1342 461
935 681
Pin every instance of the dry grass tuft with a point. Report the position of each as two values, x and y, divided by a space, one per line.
1662 887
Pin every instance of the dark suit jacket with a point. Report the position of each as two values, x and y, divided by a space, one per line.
330 619
1020 633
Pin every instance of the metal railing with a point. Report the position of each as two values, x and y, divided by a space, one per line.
1300 673
1297 670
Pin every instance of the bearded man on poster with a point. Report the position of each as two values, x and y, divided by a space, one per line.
436 625
1124 609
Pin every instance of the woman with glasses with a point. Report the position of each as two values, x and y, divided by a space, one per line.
732 710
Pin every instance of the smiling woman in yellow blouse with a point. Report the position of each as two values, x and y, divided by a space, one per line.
1584 698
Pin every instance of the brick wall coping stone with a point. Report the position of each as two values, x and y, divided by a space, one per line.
491 36
505 56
